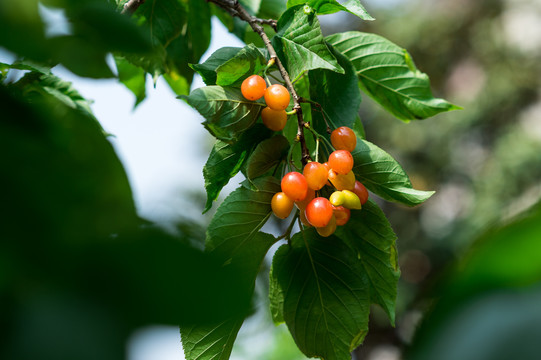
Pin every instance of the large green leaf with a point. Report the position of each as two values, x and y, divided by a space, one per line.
226 111
299 42
387 74
267 155
369 233
338 95
207 69
326 295
246 62
332 6
382 174
225 160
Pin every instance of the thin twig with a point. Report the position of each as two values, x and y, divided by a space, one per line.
131 6
234 8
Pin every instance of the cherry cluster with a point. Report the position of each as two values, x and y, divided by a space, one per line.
302 189
277 98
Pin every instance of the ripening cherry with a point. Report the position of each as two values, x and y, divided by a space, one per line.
351 201
337 198
281 205
277 97
253 87
328 229
342 215
341 161
294 185
344 138
342 182
310 195
316 175
319 212
274 119
361 192
304 221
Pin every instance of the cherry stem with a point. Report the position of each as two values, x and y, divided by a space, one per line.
234 8
289 229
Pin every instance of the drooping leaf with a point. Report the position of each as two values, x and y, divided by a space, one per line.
388 75
332 6
226 111
326 295
381 174
299 42
266 156
338 95
207 69
369 233
248 61
133 77
225 160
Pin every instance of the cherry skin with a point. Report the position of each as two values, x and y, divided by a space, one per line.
319 212
253 87
294 185
342 182
310 195
344 138
361 192
277 97
351 201
341 161
281 205
341 214
316 175
274 119
328 229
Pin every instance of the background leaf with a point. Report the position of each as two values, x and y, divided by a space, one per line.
133 77
300 45
370 235
226 111
387 74
326 295
382 174
267 155
225 160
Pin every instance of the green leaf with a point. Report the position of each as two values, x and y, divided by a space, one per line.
300 45
225 160
276 298
241 215
207 69
338 95
332 6
266 156
358 128
369 233
133 77
226 111
387 74
248 61
326 295
382 174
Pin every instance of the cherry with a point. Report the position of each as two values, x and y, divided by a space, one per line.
274 119
281 205
328 229
294 185
319 212
277 97
310 195
344 138
351 201
316 175
253 87
361 192
342 182
337 198
341 214
341 161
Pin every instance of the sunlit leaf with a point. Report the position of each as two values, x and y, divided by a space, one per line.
248 61
207 69
332 6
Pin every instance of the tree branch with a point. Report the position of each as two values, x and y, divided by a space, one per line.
234 8
131 6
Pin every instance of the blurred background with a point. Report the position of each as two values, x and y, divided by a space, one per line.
469 256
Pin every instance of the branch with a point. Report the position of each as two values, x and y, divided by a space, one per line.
131 6
234 8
